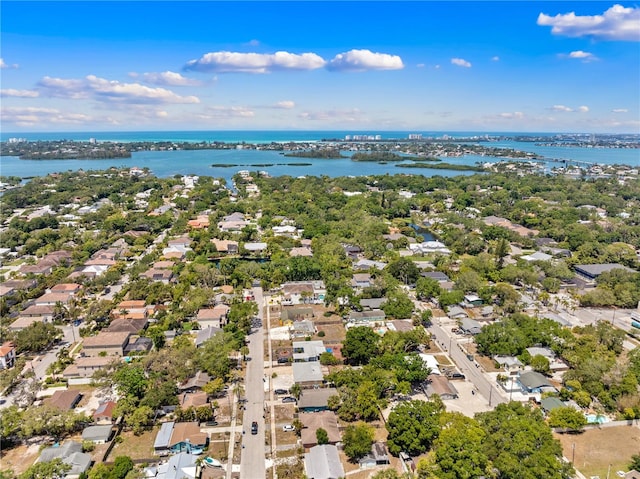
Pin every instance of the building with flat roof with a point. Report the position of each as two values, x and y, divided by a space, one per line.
323 462
592 271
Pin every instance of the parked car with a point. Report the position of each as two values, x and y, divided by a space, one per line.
288 428
281 391
456 376
289 399
254 427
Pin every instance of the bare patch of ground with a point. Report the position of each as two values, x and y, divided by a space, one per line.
596 449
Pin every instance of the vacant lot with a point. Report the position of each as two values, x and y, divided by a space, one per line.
136 447
595 449
19 459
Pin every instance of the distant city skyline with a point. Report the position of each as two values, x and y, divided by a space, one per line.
364 65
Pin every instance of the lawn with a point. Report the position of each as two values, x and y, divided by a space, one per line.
596 449
136 447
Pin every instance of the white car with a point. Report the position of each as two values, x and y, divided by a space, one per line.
288 428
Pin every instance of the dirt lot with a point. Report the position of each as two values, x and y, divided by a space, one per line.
595 449
19 459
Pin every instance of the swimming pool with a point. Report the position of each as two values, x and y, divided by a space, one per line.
596 418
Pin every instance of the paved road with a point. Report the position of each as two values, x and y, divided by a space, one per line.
467 367
252 462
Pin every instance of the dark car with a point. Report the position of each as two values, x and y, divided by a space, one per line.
254 427
289 399
283 360
281 391
456 376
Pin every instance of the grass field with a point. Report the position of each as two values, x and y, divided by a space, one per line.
596 449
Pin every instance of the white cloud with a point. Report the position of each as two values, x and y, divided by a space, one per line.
228 62
580 54
495 59
253 43
64 88
226 112
4 65
420 65
586 57
619 110
100 89
349 116
567 109
11 92
616 23
461 62
363 60
285 105
516 115
32 116
561 108
168 78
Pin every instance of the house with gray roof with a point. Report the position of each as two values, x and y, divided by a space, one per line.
70 453
302 329
469 326
97 434
314 400
304 351
456 312
440 385
206 334
532 382
323 462
550 403
509 363
369 304
179 466
375 315
307 373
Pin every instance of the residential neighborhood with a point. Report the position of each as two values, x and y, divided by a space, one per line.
279 327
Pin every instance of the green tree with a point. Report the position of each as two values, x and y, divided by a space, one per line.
328 359
520 444
121 467
360 345
540 364
398 305
46 470
140 419
404 270
427 288
322 436
100 471
567 418
413 426
635 463
131 380
458 449
357 441
36 337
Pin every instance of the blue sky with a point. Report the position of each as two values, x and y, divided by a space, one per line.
366 65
